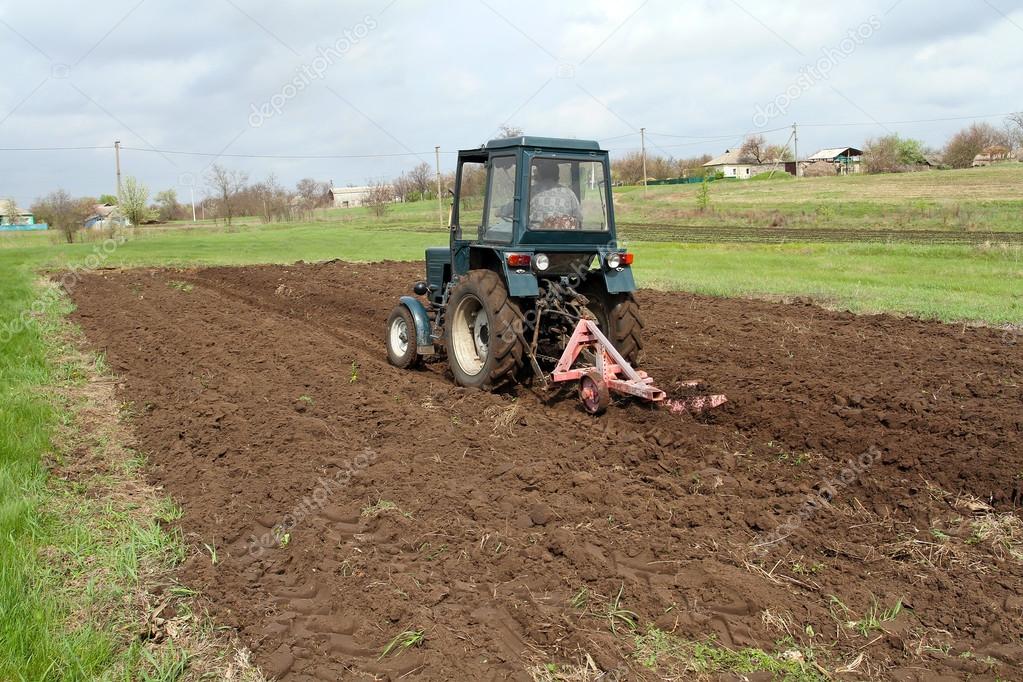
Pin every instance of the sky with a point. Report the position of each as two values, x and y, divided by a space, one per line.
377 85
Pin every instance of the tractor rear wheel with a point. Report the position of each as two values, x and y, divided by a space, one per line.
618 317
483 330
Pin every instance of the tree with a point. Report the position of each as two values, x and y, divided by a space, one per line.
753 149
893 154
1014 130
11 214
107 199
312 192
167 205
379 198
506 131
61 212
134 201
964 146
274 200
421 179
227 185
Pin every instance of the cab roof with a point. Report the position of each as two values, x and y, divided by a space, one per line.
544 142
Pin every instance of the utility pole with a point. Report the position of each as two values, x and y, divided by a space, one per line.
642 144
117 162
440 200
191 189
795 146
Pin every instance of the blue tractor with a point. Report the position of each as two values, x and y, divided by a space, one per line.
532 251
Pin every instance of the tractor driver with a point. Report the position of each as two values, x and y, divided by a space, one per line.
552 206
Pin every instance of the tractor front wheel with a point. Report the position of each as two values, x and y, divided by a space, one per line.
483 330
401 338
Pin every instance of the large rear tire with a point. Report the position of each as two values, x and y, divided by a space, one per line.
618 317
483 331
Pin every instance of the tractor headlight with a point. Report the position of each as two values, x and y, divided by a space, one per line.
613 260
541 262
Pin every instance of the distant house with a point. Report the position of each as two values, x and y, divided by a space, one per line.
846 160
991 155
349 197
105 216
733 165
25 220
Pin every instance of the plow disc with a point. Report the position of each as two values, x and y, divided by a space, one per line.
609 372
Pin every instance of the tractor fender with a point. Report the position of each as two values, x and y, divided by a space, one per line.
619 281
424 339
521 283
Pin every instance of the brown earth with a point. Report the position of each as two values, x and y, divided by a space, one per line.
347 501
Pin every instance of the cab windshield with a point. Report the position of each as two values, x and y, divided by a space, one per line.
567 194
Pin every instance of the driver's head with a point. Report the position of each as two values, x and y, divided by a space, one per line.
546 171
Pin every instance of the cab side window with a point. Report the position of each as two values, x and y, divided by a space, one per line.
501 199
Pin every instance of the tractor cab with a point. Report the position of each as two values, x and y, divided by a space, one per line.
529 208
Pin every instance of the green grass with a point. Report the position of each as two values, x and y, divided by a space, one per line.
684 659
69 560
989 199
940 282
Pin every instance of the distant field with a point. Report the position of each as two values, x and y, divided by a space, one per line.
975 199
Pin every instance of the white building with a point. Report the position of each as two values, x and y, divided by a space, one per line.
733 165
348 197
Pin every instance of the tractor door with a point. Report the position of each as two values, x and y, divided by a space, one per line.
467 211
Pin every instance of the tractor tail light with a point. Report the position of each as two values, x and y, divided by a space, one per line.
519 260
626 259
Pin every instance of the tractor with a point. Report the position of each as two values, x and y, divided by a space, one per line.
533 282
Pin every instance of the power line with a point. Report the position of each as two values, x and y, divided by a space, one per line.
919 120
49 149
279 156
719 137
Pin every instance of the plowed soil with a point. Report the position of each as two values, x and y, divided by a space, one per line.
861 463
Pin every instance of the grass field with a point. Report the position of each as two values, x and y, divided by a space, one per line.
989 199
58 620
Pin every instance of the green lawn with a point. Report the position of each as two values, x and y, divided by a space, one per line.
957 200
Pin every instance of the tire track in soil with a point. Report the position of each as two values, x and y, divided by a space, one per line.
509 507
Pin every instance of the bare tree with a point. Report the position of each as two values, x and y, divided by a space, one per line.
312 192
421 179
134 201
965 145
274 200
379 198
11 213
753 149
1014 130
227 185
61 212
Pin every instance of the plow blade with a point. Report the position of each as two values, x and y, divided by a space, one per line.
608 372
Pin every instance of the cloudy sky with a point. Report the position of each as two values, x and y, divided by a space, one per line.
382 82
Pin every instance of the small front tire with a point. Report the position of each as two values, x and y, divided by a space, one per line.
401 338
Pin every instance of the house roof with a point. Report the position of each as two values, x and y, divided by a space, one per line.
5 205
731 156
832 153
